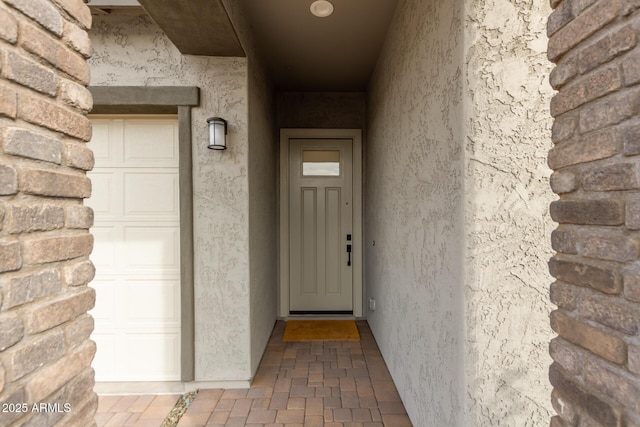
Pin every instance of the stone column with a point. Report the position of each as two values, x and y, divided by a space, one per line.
45 351
596 163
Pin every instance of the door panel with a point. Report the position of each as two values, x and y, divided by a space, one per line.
321 217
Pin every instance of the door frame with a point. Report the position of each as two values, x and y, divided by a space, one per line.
283 272
126 100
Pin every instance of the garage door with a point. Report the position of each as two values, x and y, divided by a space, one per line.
136 253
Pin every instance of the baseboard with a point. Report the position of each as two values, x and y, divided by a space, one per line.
164 387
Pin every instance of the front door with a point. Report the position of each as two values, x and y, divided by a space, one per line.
321 225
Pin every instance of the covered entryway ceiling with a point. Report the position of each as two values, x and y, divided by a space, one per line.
301 52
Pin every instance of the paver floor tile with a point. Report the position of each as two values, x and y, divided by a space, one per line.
298 384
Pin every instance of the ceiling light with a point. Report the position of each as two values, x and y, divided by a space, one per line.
321 8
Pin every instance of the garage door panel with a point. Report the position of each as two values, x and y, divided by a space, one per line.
106 244
151 193
106 186
150 145
105 357
153 357
104 313
152 248
159 307
136 250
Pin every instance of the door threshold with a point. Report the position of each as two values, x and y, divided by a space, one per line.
323 316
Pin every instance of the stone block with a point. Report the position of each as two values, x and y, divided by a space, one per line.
76 96
23 289
45 249
32 145
41 11
609 110
77 39
563 240
11 330
8 180
619 314
8 101
563 182
83 416
46 315
79 273
566 355
608 245
564 408
78 330
631 68
563 72
613 383
608 47
80 387
564 295
633 358
595 340
78 10
588 212
588 402
54 375
601 276
79 217
588 88
78 156
629 7
51 183
14 395
631 281
561 16
563 128
592 20
10 256
8 27
52 116
29 73
51 50
632 214
595 146
631 140
23 358
613 177
34 217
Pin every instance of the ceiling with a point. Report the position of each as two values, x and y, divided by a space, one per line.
301 52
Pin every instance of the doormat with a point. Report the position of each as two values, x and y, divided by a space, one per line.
321 330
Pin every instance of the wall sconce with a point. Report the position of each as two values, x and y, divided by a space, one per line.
217 133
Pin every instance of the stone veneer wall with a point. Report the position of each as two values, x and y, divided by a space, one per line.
45 351
596 369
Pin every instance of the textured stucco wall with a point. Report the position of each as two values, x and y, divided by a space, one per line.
414 208
507 225
263 164
133 51
457 197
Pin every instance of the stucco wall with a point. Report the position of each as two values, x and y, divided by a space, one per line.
414 208
507 225
457 200
263 164
133 51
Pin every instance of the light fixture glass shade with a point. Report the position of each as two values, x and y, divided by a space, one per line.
217 133
321 8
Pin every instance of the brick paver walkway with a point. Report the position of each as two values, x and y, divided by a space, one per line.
298 384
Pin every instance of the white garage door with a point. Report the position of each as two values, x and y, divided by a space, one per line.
137 237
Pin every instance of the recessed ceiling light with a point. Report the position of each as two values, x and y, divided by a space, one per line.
321 8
